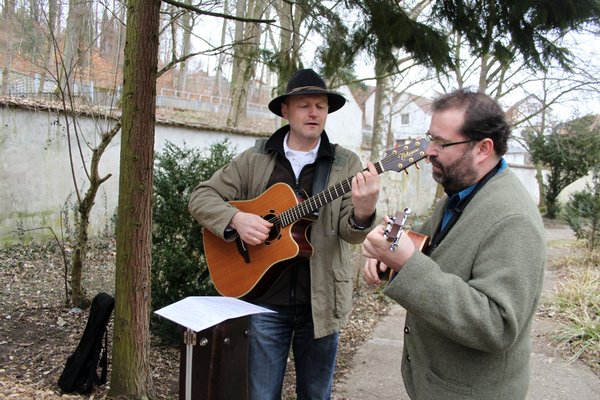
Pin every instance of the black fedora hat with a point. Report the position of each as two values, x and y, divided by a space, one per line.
303 82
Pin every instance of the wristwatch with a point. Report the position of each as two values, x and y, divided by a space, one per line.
354 225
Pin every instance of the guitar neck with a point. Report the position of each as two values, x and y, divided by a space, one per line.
396 159
320 199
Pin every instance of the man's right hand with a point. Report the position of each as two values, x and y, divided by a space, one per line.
251 228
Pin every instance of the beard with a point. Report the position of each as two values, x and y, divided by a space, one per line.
456 175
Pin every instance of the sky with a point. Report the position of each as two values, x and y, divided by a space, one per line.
585 47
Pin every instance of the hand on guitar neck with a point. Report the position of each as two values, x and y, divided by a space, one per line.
388 248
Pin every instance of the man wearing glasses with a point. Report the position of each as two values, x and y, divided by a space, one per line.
472 293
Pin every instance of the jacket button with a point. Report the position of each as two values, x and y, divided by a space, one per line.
406 330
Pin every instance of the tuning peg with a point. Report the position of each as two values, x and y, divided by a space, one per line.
417 166
406 171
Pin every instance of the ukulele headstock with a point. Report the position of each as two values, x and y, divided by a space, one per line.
393 230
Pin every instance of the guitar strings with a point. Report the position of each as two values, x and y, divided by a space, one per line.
317 201
320 199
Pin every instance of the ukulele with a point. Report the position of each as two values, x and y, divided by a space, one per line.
392 232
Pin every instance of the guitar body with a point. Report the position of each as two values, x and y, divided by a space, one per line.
231 274
418 239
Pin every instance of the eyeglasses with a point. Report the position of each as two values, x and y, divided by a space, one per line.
440 145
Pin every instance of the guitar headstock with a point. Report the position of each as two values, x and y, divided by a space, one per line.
404 155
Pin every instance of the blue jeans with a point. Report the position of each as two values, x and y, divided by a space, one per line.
270 337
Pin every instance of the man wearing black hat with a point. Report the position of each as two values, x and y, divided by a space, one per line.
312 297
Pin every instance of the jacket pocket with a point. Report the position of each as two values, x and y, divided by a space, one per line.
342 282
440 387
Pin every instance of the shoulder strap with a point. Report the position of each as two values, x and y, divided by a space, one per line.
259 146
322 172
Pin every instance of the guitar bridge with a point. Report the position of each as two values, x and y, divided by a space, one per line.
242 249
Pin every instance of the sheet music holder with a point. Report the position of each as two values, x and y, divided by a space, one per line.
214 342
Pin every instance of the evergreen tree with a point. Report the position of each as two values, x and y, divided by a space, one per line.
569 153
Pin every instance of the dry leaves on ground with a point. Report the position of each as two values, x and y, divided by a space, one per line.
38 332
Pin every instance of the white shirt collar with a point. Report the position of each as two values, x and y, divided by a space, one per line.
299 159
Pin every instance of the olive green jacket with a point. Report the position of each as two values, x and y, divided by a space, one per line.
470 305
332 272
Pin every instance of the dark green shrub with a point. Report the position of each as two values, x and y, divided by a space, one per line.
177 253
582 212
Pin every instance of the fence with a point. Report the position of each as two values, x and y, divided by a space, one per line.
86 92
170 98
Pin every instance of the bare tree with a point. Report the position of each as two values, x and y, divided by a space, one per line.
51 41
77 42
245 58
187 25
219 75
291 16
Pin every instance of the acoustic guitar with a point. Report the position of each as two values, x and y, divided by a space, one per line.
243 271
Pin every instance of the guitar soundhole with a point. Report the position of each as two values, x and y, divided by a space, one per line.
275 233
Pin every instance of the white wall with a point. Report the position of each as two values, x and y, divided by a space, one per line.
345 125
36 181
418 119
35 172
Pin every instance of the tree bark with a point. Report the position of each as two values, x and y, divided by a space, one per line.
51 42
131 375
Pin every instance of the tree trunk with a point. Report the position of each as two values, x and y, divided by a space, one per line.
5 82
220 59
290 18
244 63
187 25
51 41
381 102
76 43
131 375
539 177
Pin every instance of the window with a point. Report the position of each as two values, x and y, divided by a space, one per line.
405 119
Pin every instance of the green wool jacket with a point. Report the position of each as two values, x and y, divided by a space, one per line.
471 303
332 272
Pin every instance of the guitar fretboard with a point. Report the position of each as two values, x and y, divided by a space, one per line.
317 201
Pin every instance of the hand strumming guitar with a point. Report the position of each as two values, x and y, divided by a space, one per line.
251 228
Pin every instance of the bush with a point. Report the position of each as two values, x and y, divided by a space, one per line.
582 213
177 252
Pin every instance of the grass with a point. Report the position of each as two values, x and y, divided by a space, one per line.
577 306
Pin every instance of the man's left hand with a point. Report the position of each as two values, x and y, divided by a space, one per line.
365 192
